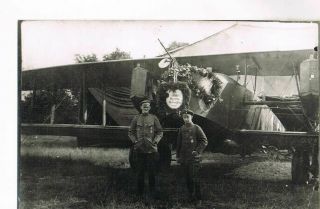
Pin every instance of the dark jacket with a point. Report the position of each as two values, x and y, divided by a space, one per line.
190 138
145 132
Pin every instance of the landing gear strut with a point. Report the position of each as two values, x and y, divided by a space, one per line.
300 167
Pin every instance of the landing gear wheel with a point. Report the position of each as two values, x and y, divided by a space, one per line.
300 167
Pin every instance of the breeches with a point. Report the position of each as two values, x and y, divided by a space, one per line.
191 175
146 163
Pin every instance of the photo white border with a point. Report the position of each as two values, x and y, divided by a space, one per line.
12 11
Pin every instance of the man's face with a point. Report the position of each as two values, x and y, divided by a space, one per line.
145 108
187 118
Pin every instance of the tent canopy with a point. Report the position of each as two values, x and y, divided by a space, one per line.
255 37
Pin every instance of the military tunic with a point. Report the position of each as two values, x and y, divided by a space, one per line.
145 132
190 138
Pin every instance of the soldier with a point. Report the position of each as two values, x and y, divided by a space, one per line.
145 133
190 144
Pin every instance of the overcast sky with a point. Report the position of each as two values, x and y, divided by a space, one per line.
49 43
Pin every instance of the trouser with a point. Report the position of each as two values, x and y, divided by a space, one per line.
191 175
146 164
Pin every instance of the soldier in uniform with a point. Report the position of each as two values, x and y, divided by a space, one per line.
145 132
190 144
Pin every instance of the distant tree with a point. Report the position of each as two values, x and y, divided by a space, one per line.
36 107
86 58
174 45
116 55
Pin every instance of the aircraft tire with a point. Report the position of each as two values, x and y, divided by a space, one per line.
300 167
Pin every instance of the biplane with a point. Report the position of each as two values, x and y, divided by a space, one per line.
249 112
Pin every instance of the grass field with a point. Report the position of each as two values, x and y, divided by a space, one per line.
54 173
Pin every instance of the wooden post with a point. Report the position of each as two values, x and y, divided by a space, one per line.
53 110
33 91
238 72
54 106
83 99
104 112
245 78
245 72
255 81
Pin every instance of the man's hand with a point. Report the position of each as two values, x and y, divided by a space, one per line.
195 153
135 144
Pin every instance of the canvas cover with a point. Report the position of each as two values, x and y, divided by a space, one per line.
250 37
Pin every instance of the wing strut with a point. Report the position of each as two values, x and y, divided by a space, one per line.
298 89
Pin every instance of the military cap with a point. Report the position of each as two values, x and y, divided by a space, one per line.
187 112
145 101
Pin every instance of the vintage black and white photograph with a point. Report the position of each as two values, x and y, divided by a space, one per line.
168 114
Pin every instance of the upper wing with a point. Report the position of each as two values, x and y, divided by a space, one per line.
118 73
95 75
